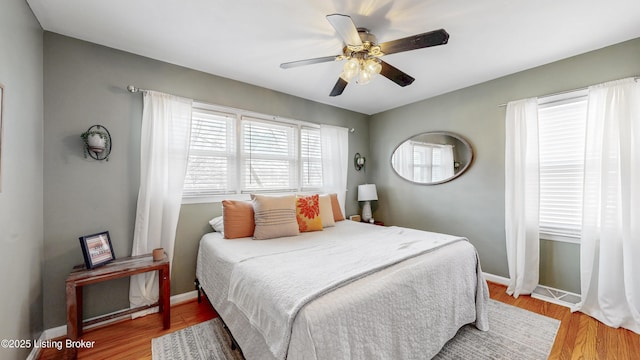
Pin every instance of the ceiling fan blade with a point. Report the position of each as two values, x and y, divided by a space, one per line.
431 38
292 64
345 28
395 75
338 88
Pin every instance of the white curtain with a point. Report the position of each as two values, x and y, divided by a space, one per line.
335 161
522 188
166 129
610 248
447 161
402 160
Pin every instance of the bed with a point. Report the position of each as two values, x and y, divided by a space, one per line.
353 291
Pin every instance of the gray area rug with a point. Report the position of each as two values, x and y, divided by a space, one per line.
514 334
204 341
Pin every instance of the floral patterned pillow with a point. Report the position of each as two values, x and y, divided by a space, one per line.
308 213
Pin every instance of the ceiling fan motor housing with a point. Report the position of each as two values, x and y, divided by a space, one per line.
366 36
369 48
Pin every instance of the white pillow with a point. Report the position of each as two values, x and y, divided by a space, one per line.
326 211
217 224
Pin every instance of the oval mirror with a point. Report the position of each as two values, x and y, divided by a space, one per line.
432 158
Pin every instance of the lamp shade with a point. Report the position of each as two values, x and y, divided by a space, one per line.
367 192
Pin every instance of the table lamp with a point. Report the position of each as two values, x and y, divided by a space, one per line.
367 193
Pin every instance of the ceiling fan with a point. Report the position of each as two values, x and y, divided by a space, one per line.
363 53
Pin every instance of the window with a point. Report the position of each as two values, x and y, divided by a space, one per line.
562 128
269 156
211 168
233 152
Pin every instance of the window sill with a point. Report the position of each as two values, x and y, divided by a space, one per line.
560 238
214 198
244 196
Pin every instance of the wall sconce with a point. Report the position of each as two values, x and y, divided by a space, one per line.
97 142
358 161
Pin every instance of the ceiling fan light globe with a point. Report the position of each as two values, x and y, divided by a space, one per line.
365 77
348 75
351 65
373 66
350 69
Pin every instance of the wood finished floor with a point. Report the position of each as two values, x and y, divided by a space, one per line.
579 336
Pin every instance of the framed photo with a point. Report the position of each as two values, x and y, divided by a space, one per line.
97 249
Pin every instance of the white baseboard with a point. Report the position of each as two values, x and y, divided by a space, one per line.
61 331
184 297
496 279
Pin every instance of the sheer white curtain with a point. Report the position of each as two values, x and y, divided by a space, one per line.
166 129
447 161
335 161
522 188
610 248
402 160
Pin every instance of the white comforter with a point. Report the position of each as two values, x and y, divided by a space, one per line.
407 310
271 299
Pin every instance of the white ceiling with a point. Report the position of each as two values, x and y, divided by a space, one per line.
246 40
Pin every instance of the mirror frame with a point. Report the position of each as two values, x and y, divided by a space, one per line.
448 133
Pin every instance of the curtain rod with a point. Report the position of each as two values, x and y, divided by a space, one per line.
133 89
636 78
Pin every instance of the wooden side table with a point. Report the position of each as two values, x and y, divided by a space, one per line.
379 223
80 276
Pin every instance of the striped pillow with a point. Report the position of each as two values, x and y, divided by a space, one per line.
275 216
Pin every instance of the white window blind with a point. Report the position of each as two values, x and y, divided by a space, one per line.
212 162
422 162
562 126
311 156
269 156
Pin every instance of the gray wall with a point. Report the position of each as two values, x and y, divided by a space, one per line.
21 234
473 204
85 85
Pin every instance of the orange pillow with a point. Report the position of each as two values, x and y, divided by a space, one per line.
335 206
326 211
237 217
308 213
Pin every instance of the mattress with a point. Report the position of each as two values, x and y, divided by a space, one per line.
406 310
